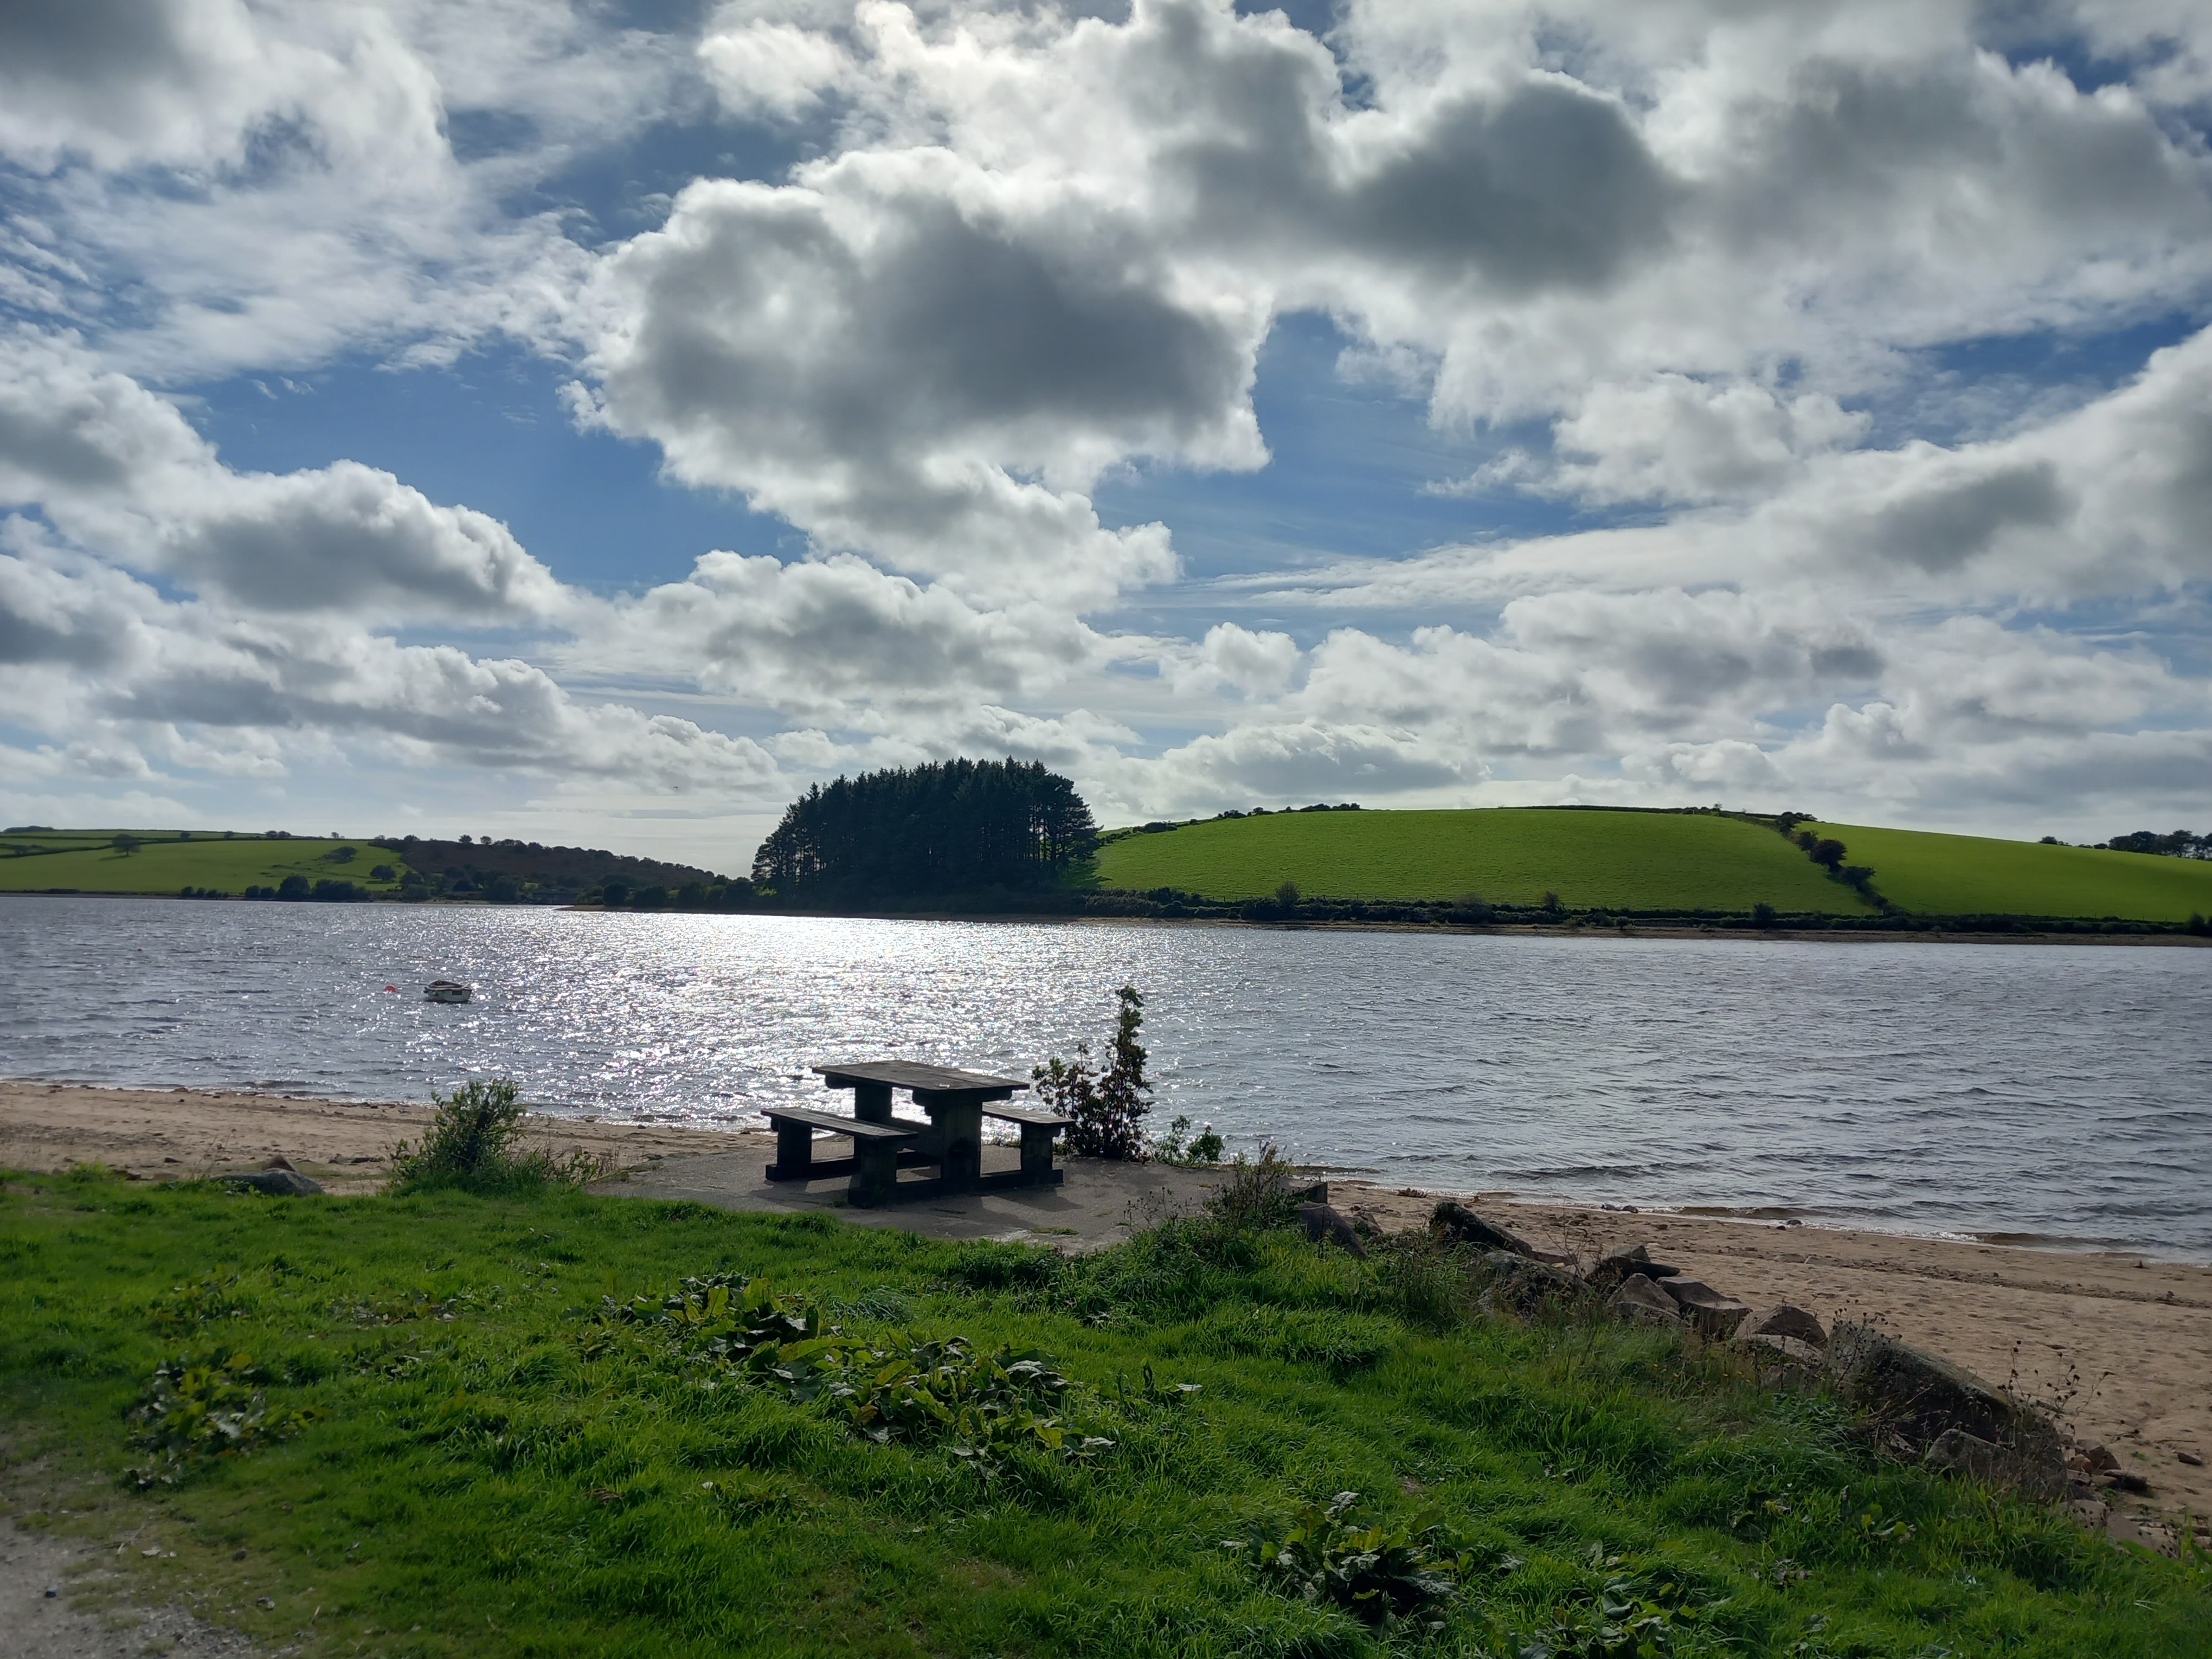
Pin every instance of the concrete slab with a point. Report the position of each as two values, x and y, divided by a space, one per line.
1099 1204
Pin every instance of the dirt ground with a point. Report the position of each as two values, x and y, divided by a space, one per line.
2115 1345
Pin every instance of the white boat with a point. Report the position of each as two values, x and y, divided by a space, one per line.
447 990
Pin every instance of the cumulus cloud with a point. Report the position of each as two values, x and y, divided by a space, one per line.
120 472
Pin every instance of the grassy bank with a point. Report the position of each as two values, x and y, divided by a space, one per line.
86 862
1644 861
488 1468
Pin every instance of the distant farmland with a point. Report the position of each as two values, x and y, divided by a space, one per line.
85 861
1596 859
1509 855
1975 875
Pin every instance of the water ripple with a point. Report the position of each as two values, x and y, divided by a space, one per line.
2024 1090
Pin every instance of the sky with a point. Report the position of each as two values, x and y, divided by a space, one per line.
595 422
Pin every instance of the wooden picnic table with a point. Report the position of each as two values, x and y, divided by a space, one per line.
957 1103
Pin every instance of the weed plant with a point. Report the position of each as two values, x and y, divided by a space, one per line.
502 1439
474 1143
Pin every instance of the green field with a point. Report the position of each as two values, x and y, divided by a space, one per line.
1645 862
164 863
1509 855
1972 875
490 1466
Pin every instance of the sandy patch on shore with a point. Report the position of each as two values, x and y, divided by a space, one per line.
2116 1346
166 1134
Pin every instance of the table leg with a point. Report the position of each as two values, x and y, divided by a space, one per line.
871 1103
1037 1152
958 1120
875 1173
794 1150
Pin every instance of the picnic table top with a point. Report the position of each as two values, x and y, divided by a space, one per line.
914 1074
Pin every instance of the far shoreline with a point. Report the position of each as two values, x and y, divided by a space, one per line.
1936 935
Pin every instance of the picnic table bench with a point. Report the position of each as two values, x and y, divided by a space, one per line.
952 1139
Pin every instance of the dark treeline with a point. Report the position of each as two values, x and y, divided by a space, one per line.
953 827
2179 844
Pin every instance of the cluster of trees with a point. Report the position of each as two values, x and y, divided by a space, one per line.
294 888
514 871
1829 854
2180 844
950 827
735 894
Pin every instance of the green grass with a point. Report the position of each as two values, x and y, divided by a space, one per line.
1968 875
1509 855
477 1483
165 864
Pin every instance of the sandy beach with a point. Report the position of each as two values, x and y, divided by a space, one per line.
2115 1345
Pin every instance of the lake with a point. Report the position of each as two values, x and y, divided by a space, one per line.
2042 1093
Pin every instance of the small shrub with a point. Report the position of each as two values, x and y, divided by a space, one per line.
1287 895
1260 1193
1379 1572
473 1144
1179 1147
1762 914
1106 1107
199 1407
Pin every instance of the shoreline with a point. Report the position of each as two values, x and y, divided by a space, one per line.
1621 930
2115 1344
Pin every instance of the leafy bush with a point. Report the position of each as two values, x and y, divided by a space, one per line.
983 1407
1379 1572
1178 1147
473 1144
198 1407
1106 1107
1259 1193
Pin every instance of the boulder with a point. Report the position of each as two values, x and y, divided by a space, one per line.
1640 1302
1793 1322
278 1183
1325 1221
1918 1398
1520 1284
1616 1266
1716 1315
1455 1222
2032 1473
1788 1348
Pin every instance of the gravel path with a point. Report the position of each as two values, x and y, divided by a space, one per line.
44 1580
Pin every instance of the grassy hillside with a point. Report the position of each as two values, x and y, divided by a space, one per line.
1509 855
164 863
1969 875
450 1449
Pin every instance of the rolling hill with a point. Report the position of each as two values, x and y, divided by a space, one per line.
166 861
1632 861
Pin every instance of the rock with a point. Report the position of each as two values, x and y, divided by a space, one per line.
1316 1194
278 1183
1324 1221
1917 1398
1999 1466
1640 1302
2127 1480
279 1161
1615 1266
2090 1513
2094 1458
1784 1320
1716 1315
2192 1459
1520 1284
1461 1226
1790 1347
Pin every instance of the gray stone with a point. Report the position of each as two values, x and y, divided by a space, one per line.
1461 1226
1640 1302
1615 1266
1788 1347
1520 1285
1716 1315
1917 1398
1324 1221
1961 1453
1785 1320
278 1183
